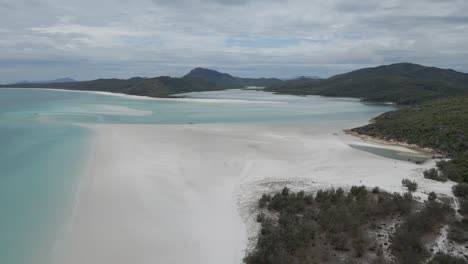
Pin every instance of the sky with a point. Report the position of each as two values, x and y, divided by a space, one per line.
89 39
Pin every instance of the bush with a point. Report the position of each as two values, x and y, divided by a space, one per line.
410 185
459 231
264 200
358 191
260 217
441 258
461 190
433 174
463 207
449 171
297 225
407 241
376 190
432 196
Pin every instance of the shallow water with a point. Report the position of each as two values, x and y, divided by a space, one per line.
42 151
392 154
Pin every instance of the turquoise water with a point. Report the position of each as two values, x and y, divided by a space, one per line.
261 108
42 151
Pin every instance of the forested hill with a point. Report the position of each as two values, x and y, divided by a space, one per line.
154 87
440 124
195 81
402 83
227 80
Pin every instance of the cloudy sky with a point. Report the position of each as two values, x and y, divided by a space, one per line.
87 39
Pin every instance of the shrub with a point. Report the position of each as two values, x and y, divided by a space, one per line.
260 217
461 190
432 196
463 207
433 174
459 231
441 258
264 200
297 225
376 190
449 170
410 185
407 241
358 191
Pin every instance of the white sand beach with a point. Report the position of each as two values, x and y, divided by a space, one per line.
187 193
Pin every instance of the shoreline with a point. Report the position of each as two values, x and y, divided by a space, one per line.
144 97
427 152
174 97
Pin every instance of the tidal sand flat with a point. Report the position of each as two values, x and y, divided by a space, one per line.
185 193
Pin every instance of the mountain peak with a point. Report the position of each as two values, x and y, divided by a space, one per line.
208 74
226 80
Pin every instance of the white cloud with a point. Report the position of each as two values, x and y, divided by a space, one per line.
116 38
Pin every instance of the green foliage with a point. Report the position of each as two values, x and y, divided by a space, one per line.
461 190
433 174
441 258
407 244
301 226
459 231
402 83
449 170
440 125
432 197
410 185
376 190
229 81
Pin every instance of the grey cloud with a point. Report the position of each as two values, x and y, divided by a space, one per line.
117 38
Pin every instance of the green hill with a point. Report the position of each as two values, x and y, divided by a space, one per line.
196 81
227 80
439 124
402 83
154 87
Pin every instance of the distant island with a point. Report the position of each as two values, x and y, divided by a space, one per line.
197 80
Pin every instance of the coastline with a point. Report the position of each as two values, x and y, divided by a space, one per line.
153 191
428 152
166 99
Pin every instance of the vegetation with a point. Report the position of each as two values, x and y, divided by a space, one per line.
449 170
440 258
461 190
440 125
407 244
402 83
459 231
412 186
334 224
196 81
229 81
433 174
